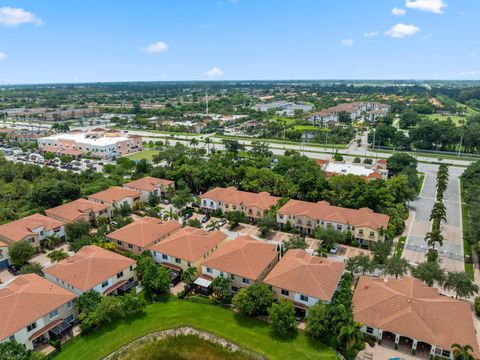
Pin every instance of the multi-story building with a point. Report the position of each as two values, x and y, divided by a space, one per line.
143 233
187 247
33 229
253 205
79 210
406 311
305 279
366 226
94 268
244 260
115 197
150 185
99 143
34 310
3 255
329 116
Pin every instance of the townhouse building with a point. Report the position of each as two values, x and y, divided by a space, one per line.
115 197
366 226
253 205
79 210
34 310
149 185
94 268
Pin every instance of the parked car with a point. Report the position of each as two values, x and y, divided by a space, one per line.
205 218
164 202
14 270
222 222
334 249
187 216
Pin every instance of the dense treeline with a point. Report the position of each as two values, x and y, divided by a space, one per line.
471 193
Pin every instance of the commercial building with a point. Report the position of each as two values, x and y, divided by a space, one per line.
99 143
367 172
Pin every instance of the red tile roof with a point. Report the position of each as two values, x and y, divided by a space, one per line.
149 183
22 228
231 195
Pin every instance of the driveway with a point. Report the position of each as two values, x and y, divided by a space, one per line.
451 252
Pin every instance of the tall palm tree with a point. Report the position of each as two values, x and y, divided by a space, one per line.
462 352
189 275
170 215
213 225
193 142
350 335
439 212
434 236
207 142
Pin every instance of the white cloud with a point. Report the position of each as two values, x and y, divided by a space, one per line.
15 16
347 42
3 56
402 30
435 6
157 47
470 73
214 72
399 12
371 33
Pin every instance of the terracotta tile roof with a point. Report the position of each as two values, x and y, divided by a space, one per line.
26 299
144 231
231 195
410 308
114 194
305 274
149 183
20 229
324 211
90 266
243 256
2 244
189 243
77 210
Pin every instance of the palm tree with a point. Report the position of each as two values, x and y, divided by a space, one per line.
57 255
434 236
213 225
462 352
170 215
189 275
350 335
207 142
193 142
52 241
439 212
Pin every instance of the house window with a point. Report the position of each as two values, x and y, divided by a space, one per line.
309 223
32 326
258 213
372 234
369 330
339 227
280 216
104 284
53 314
285 292
304 298
130 246
69 318
11 338
69 305
232 276
164 257
120 274
221 273
360 232
245 281
234 207
209 270
178 261
154 253
250 211
131 268
205 202
234 289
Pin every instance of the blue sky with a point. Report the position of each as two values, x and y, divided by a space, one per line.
117 40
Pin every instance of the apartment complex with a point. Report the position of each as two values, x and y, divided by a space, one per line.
330 116
93 268
365 225
253 205
33 229
305 279
98 143
34 310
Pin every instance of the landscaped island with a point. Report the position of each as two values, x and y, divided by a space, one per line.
250 334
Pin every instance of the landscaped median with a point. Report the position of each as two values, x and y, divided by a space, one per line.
248 333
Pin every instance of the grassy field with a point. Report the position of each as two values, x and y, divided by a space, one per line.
307 127
251 334
455 118
189 347
284 120
145 154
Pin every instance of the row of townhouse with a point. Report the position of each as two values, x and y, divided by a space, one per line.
253 205
330 116
365 225
35 310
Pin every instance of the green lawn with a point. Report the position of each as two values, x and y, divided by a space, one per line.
145 154
307 127
249 333
400 246
455 118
